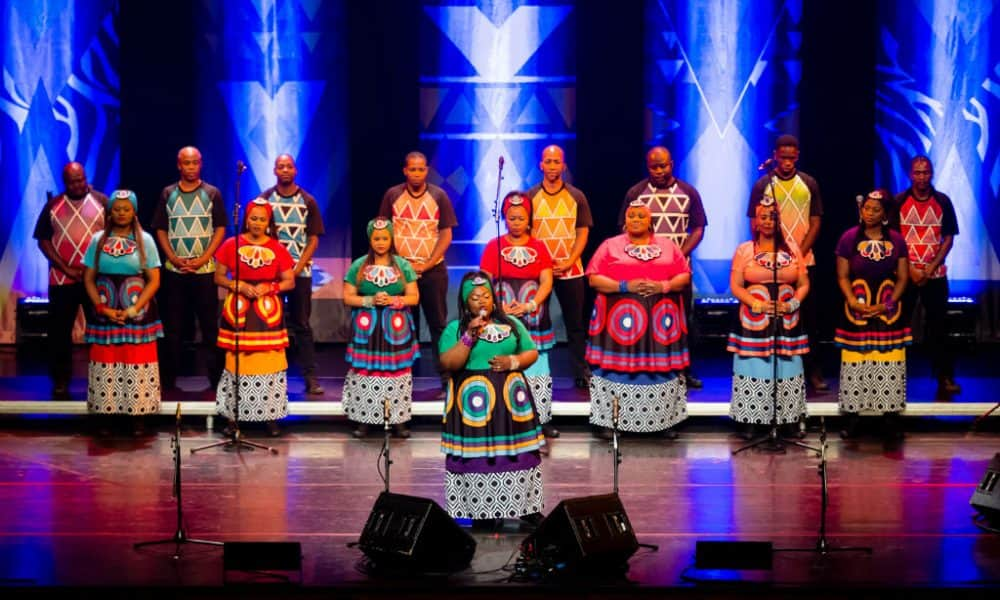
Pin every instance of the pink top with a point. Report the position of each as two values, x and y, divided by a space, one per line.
519 262
661 259
756 266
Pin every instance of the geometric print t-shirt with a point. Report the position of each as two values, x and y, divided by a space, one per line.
296 218
924 225
798 201
190 220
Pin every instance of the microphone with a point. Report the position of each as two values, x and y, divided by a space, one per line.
859 199
614 410
501 162
766 164
240 167
385 411
482 313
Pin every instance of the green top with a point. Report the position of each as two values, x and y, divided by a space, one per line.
494 340
381 278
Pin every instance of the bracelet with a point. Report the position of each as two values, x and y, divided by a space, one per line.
532 306
467 340
890 305
623 286
793 305
275 288
131 312
367 301
514 363
397 302
757 306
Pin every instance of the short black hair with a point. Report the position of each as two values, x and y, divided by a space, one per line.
786 140
921 158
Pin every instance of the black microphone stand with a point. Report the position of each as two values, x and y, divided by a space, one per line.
180 536
235 440
823 546
386 457
497 216
772 441
616 450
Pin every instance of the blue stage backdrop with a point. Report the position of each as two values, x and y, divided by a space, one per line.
498 78
938 94
59 103
273 79
721 81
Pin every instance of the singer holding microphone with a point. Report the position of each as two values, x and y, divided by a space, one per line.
491 436
638 337
381 289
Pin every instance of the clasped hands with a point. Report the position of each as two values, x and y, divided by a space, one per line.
867 310
250 290
648 287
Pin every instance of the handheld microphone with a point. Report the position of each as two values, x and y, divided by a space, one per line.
766 164
501 162
482 313
240 167
859 199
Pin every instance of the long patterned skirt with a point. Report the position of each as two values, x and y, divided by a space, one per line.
638 348
263 386
382 351
491 440
124 374
540 379
872 382
753 390
873 352
123 379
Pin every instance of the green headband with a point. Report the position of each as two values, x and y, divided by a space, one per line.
379 223
124 195
472 283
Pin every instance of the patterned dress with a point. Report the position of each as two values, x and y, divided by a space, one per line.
753 343
638 344
491 433
872 349
124 375
256 327
383 346
521 268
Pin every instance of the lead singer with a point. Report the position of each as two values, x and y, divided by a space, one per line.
491 433
252 322
638 337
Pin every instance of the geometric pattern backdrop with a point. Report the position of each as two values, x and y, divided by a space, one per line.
273 80
497 78
721 84
938 94
59 102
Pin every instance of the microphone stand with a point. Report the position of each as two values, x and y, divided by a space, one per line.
616 450
235 440
772 441
823 546
387 459
497 215
180 536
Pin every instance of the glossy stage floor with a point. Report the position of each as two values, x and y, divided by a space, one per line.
74 505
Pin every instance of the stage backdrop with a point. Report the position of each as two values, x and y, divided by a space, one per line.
721 83
938 94
272 80
59 103
498 78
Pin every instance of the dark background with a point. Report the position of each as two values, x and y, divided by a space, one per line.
836 99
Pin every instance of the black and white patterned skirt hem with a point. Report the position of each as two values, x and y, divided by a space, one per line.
752 400
641 408
872 386
507 495
262 397
541 390
365 395
123 389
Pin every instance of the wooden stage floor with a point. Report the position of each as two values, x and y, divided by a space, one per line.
73 506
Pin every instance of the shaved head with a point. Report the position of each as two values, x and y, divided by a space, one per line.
285 157
75 180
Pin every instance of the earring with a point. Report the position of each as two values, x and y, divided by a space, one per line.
885 222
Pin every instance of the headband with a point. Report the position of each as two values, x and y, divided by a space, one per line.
516 200
639 204
124 195
379 223
473 282
257 203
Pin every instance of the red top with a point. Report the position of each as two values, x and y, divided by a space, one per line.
518 262
264 262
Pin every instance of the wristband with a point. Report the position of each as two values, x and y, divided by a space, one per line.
514 363
890 305
275 288
623 286
467 340
532 306
367 301
793 305
131 312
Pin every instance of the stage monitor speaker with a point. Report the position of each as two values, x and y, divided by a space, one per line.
590 532
408 532
986 497
733 555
